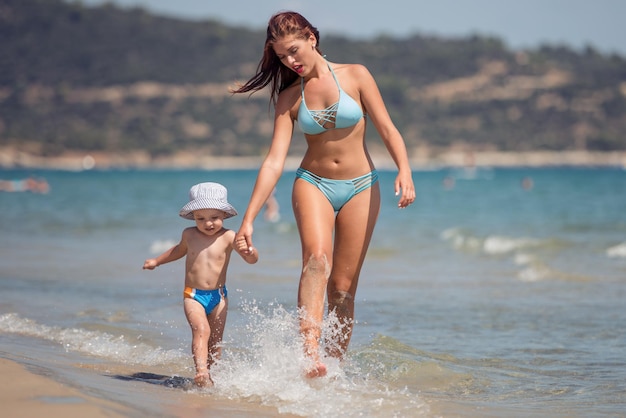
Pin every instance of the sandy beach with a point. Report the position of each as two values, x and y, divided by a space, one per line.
28 392
32 390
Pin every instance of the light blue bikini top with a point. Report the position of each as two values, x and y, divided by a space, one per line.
345 113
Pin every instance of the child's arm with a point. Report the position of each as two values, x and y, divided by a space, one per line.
177 251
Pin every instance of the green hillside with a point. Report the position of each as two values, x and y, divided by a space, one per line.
77 78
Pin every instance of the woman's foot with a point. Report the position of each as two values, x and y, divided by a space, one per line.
317 370
203 379
311 350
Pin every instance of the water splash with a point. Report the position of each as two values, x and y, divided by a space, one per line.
269 370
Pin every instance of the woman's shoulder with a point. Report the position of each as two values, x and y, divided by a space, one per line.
355 74
350 68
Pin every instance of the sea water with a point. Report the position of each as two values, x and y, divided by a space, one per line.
499 292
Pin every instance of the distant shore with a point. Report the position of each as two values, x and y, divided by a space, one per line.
11 158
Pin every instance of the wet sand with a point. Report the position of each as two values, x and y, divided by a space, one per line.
26 393
89 390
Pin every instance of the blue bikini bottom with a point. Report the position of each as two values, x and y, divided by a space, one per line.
339 192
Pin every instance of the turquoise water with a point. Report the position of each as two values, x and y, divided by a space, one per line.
484 298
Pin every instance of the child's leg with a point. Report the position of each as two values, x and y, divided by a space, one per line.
200 334
217 322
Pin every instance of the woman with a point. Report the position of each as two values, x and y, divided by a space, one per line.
336 189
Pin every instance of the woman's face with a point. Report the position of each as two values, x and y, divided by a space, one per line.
296 53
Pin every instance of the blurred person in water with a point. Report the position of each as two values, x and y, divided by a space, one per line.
29 184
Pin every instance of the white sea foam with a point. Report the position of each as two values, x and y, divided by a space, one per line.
520 249
159 246
617 251
94 343
534 273
495 245
522 259
491 245
461 240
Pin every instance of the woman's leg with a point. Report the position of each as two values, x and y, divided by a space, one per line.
353 232
315 219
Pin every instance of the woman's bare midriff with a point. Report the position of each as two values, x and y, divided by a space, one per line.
338 154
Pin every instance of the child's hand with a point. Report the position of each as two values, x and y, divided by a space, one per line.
248 252
150 264
243 239
242 246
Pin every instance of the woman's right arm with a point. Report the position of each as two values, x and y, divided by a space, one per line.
271 168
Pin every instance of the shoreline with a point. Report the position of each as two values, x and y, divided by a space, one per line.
31 388
11 158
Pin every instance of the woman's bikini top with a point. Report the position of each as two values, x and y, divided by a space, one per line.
345 113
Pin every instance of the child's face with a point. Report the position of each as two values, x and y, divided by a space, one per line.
209 221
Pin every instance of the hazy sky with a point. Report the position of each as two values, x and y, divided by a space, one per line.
520 23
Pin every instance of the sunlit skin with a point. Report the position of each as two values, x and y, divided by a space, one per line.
329 269
208 247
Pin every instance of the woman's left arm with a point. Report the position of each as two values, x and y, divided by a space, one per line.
377 112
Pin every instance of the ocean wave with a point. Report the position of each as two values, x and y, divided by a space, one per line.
533 268
159 246
93 343
535 273
490 245
528 253
388 359
505 245
617 251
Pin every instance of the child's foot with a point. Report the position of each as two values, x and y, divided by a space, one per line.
317 370
203 380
